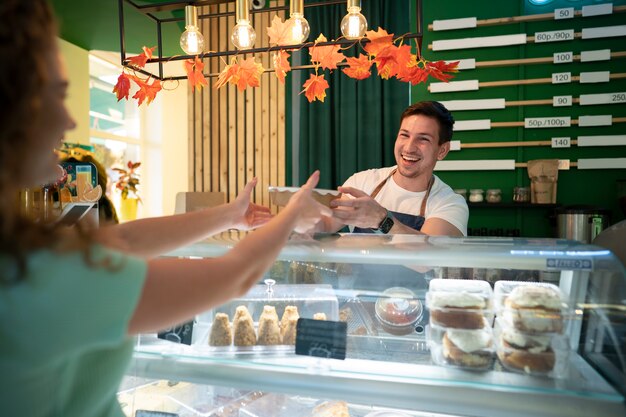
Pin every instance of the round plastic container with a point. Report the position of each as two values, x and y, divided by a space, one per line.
398 310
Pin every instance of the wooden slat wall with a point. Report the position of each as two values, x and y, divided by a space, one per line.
236 136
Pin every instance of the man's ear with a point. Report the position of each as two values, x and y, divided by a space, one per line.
443 150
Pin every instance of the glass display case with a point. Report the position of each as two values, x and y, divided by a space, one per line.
455 326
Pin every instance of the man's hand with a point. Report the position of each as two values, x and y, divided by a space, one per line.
361 211
247 215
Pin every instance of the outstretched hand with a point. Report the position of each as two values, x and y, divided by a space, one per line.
248 215
310 211
361 211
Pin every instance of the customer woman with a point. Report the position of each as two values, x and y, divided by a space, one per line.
70 300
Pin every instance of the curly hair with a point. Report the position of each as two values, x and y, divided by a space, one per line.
27 27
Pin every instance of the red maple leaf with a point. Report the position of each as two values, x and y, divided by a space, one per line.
325 56
315 88
194 68
414 75
386 62
230 72
438 70
141 59
281 65
358 68
248 74
122 88
146 91
280 32
379 40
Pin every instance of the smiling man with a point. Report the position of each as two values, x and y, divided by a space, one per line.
406 198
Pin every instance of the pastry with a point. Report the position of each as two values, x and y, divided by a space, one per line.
269 330
243 328
319 316
221 332
458 310
345 314
467 348
534 308
288 324
331 409
527 353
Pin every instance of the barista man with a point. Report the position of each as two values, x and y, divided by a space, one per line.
406 198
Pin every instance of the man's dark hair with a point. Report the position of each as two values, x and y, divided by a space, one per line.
438 112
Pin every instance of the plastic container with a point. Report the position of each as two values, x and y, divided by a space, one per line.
473 350
281 195
398 310
476 196
460 304
543 355
530 307
494 196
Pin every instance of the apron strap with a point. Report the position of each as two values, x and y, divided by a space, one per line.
383 182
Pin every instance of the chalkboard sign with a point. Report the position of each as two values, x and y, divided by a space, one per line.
180 333
148 413
322 338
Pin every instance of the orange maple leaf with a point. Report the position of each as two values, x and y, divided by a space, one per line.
392 60
325 56
194 68
122 88
146 91
280 33
315 88
379 40
230 72
414 75
248 74
141 59
358 68
281 65
439 68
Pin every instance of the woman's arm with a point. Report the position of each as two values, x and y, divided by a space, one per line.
155 236
177 289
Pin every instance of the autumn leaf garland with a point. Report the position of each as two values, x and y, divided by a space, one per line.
381 51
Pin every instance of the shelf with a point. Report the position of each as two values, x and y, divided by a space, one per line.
513 205
414 386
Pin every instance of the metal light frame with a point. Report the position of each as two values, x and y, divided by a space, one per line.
149 11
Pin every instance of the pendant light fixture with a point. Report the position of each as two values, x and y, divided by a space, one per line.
191 41
354 24
243 35
299 26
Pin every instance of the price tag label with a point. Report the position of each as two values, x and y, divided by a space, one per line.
561 77
561 143
564 164
321 338
181 333
561 101
563 57
565 13
547 122
554 36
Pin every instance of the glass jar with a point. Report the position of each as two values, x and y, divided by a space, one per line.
476 196
462 192
494 196
521 194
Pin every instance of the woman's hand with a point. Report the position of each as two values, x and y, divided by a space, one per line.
247 215
308 211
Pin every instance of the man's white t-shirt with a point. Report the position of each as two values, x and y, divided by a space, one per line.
442 203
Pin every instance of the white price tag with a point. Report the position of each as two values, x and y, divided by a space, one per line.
561 77
561 142
564 164
566 13
561 101
554 36
543 122
563 57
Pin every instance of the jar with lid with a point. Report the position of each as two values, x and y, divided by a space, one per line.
494 195
521 194
476 196
462 192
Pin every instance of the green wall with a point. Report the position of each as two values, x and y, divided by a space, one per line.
590 187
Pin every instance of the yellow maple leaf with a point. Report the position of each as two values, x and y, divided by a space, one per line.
280 32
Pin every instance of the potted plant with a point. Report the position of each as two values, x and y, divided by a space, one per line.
127 184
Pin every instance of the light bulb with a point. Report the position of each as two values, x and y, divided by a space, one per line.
300 28
191 41
243 35
354 24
